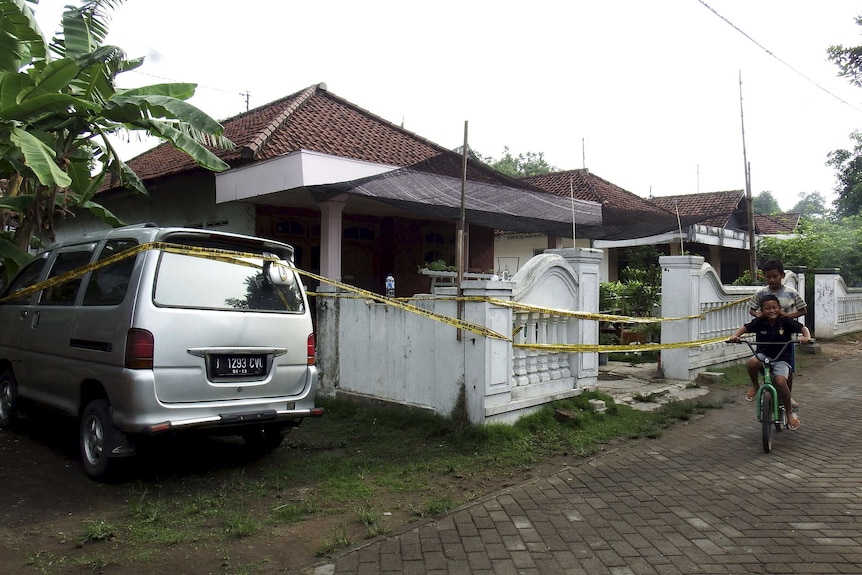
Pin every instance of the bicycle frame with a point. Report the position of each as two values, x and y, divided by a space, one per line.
778 417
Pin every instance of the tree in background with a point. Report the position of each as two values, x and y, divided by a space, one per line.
848 60
848 163
848 171
820 243
765 203
526 164
811 205
58 104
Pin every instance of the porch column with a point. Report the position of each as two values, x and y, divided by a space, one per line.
330 237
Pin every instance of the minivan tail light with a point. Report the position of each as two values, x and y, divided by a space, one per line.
310 350
139 349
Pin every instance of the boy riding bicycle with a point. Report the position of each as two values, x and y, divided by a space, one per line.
772 331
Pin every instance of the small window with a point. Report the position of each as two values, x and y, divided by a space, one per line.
65 293
108 285
27 277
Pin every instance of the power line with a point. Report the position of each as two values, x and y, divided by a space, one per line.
245 95
765 49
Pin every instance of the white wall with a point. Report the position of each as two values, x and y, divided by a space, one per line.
182 207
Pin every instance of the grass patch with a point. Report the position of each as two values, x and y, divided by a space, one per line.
338 540
97 530
347 465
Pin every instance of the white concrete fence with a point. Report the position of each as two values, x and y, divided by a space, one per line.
692 289
838 309
379 352
374 351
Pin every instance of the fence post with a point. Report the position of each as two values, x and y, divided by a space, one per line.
826 302
585 263
487 361
327 339
680 297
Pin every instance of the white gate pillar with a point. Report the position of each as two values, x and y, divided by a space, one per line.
680 297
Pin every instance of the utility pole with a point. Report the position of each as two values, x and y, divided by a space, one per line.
459 245
749 203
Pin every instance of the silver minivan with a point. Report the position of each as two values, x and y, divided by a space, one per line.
143 330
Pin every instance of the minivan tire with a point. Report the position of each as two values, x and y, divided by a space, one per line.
8 399
95 437
265 438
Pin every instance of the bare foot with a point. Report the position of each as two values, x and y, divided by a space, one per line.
793 421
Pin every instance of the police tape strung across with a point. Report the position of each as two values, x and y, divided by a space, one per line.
401 303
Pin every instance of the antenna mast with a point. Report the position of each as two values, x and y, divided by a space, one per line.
752 242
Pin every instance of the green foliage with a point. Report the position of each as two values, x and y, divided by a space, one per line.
765 203
745 278
58 104
848 172
525 164
812 205
639 289
821 244
848 60
438 266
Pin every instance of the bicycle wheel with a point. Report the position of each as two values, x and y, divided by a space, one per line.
766 419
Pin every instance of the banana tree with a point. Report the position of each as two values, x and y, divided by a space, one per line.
58 104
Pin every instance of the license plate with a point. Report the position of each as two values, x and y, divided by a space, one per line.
239 365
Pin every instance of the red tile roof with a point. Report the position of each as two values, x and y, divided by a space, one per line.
588 186
773 224
712 208
315 119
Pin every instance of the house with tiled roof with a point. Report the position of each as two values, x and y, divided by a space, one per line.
357 196
711 224
779 225
624 215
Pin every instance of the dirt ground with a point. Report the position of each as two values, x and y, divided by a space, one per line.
46 501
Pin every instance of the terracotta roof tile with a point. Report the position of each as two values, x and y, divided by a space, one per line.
713 208
588 186
785 223
315 119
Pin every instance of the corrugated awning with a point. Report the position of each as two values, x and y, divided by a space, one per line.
487 205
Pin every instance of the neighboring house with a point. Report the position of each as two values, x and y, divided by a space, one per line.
357 196
721 231
713 225
624 215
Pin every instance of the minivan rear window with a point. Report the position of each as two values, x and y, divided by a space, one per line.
196 282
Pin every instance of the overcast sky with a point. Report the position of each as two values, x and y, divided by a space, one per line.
646 94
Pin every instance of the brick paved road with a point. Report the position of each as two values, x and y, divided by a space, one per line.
703 498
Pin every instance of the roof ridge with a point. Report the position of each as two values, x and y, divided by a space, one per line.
256 144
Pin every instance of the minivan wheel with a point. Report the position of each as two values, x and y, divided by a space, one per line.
8 399
96 427
264 438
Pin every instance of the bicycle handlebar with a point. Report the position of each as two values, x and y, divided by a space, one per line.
768 359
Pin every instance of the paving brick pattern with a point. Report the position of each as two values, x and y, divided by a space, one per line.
702 499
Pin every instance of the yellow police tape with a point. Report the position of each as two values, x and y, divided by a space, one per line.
250 259
210 253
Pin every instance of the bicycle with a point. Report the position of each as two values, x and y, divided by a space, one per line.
770 410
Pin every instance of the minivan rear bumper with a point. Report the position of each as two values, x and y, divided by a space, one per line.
235 420
138 410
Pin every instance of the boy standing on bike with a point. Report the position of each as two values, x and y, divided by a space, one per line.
790 301
772 331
